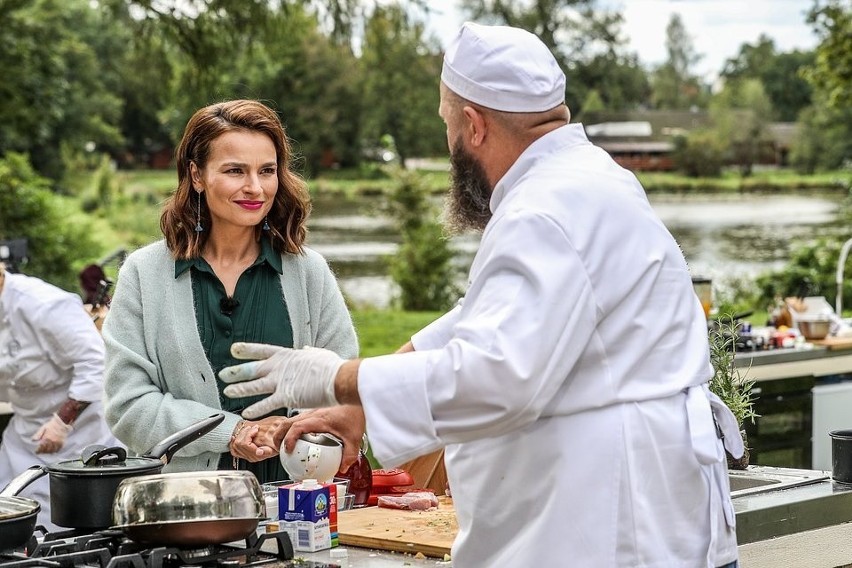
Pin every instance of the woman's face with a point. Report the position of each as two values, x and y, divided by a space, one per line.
240 179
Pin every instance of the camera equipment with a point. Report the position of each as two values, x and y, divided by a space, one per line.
13 253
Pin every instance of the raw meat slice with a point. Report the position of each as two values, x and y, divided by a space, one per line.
416 501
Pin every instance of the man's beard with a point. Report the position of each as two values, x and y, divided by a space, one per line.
466 207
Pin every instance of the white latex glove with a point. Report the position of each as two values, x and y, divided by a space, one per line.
52 435
294 378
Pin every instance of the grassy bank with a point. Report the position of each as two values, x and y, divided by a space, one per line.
384 331
761 181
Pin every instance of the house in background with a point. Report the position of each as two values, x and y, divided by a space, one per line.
645 140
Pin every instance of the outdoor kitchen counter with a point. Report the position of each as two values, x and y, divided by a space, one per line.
364 558
809 360
806 526
802 526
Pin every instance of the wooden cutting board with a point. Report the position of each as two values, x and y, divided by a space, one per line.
834 342
430 532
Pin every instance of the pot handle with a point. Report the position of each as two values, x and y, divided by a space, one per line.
97 455
21 481
168 447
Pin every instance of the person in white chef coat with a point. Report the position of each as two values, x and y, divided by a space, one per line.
51 373
569 386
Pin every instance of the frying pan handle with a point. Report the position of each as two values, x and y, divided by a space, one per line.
165 450
21 481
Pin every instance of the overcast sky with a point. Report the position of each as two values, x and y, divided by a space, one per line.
717 27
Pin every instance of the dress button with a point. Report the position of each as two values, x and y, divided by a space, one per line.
227 334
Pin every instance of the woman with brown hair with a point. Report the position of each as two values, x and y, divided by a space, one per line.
232 267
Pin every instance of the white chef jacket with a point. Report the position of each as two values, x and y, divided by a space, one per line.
569 385
50 350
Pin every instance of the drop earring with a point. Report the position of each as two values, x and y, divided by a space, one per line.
265 224
198 227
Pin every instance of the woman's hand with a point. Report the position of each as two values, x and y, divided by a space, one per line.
253 441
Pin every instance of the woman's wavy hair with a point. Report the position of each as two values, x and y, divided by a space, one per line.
290 209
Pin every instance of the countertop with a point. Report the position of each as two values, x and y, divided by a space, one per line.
354 557
761 517
776 513
807 360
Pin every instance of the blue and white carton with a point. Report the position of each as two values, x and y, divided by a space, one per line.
308 512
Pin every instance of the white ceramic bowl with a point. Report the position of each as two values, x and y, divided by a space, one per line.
316 456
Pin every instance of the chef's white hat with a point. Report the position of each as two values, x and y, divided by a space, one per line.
503 68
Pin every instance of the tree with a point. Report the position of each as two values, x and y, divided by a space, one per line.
780 74
831 73
674 86
142 66
272 51
59 241
700 153
401 69
593 102
423 266
59 100
315 85
740 114
825 139
619 80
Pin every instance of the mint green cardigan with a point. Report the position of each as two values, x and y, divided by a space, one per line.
158 379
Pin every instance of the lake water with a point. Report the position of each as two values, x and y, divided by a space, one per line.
722 236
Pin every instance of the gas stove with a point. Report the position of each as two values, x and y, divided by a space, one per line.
111 549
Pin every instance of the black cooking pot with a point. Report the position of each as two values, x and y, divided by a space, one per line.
17 519
82 491
841 456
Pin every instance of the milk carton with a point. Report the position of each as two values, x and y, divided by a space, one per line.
308 512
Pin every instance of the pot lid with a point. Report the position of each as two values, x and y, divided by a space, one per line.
14 507
100 460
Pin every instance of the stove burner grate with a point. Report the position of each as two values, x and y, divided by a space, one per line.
111 549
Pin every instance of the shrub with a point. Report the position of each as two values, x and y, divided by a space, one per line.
57 236
422 267
699 155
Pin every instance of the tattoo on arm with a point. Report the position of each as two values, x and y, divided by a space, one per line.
70 410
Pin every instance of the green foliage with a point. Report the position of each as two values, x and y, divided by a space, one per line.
105 181
59 93
811 271
699 154
739 295
728 383
58 238
741 113
824 138
401 68
593 102
831 74
675 87
423 266
779 73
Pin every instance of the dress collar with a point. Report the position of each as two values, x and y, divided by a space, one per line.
267 256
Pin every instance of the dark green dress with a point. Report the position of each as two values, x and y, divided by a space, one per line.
259 317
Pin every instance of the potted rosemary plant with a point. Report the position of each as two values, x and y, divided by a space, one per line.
728 383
